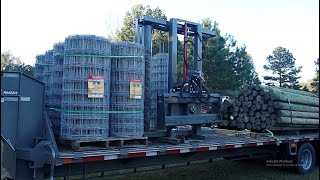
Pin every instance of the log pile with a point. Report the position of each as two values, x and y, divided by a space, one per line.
226 111
263 107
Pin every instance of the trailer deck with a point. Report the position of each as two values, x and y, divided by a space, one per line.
211 143
69 162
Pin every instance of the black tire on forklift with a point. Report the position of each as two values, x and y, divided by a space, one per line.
203 94
306 158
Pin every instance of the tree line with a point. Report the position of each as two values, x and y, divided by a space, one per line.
11 63
226 66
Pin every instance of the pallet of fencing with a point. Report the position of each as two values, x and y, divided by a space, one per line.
267 107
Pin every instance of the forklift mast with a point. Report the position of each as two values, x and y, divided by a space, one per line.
146 24
178 112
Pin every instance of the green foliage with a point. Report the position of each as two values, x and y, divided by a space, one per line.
180 61
305 88
282 64
207 23
315 83
127 32
8 59
227 66
12 63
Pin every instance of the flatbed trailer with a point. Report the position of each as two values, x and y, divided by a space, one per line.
58 161
214 146
31 151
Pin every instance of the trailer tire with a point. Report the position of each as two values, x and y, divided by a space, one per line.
7 178
306 158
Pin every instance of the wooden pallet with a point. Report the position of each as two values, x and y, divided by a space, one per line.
170 140
105 143
127 142
244 133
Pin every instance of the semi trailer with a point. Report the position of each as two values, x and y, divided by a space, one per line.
31 150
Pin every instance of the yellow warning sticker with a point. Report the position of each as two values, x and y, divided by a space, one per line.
135 89
95 86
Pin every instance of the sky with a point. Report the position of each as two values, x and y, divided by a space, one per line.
31 27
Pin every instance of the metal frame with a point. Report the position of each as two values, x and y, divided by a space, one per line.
174 26
28 148
173 111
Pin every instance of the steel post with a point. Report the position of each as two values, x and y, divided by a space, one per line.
197 48
137 33
173 41
148 54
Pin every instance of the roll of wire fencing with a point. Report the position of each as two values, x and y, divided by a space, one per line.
39 67
47 72
158 83
56 87
127 90
85 88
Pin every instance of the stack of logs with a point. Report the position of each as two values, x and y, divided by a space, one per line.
263 107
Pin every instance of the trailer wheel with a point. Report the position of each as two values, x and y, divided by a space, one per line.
306 158
7 178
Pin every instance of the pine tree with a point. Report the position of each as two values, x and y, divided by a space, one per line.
227 66
315 83
282 64
127 32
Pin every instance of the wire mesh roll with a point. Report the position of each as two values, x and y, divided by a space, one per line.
130 123
56 87
38 67
87 44
158 82
83 117
47 72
